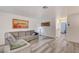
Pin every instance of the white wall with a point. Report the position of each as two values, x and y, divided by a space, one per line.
49 30
34 23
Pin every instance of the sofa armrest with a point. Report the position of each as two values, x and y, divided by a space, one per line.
6 48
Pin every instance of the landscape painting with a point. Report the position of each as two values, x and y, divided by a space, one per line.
17 23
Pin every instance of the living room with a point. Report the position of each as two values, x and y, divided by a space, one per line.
39 29
34 22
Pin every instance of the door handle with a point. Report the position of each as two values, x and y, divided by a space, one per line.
68 24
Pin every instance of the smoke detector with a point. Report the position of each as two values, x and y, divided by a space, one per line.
44 7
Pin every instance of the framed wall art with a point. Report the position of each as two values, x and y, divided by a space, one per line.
17 23
45 24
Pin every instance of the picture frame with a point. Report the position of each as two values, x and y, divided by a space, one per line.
17 23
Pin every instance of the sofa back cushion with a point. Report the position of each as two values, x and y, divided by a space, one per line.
21 34
31 32
10 38
18 34
15 34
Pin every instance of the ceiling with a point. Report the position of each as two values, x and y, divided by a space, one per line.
33 11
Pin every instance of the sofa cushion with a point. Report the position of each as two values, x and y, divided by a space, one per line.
31 32
27 33
19 43
15 34
28 37
11 39
21 34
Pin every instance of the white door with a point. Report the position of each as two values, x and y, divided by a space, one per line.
73 28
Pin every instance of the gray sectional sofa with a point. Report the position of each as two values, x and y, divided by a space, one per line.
19 41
